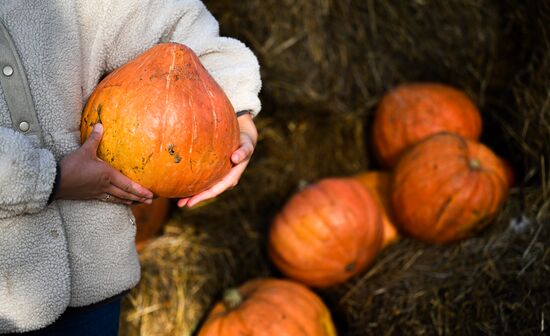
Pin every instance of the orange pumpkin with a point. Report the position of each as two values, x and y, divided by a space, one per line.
412 112
378 183
150 219
167 124
447 187
326 233
269 307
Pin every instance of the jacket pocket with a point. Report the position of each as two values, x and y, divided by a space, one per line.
34 271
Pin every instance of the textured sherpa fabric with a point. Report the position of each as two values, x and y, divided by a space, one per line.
75 253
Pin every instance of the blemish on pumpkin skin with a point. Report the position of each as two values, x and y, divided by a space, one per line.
478 213
350 267
172 152
145 161
443 209
170 149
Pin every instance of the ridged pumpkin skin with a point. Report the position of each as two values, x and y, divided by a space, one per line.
378 183
326 233
447 187
150 218
167 124
411 112
267 307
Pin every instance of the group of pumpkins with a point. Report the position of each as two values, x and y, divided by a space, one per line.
440 185
170 127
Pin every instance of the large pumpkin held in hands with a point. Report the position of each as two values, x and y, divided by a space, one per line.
269 307
411 112
447 187
326 233
167 124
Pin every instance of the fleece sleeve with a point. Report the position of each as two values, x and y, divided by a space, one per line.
116 31
27 174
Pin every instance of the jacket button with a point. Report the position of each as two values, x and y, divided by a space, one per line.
24 126
7 70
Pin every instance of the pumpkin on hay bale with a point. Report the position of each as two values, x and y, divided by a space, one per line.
447 188
267 307
327 232
413 111
320 92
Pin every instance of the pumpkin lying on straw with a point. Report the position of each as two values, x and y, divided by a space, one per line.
327 232
414 111
447 187
269 307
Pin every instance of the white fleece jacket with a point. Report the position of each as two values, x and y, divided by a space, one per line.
75 253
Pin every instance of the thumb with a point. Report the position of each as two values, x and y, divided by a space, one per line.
94 138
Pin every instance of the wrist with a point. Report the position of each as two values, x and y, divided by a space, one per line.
244 113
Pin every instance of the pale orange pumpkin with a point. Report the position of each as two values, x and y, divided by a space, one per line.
378 183
267 307
167 124
446 187
411 112
326 233
150 218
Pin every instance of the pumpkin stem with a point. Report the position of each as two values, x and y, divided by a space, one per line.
475 164
232 298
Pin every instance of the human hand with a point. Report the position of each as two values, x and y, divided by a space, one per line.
240 159
85 176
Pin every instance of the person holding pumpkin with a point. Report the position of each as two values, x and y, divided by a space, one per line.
67 251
